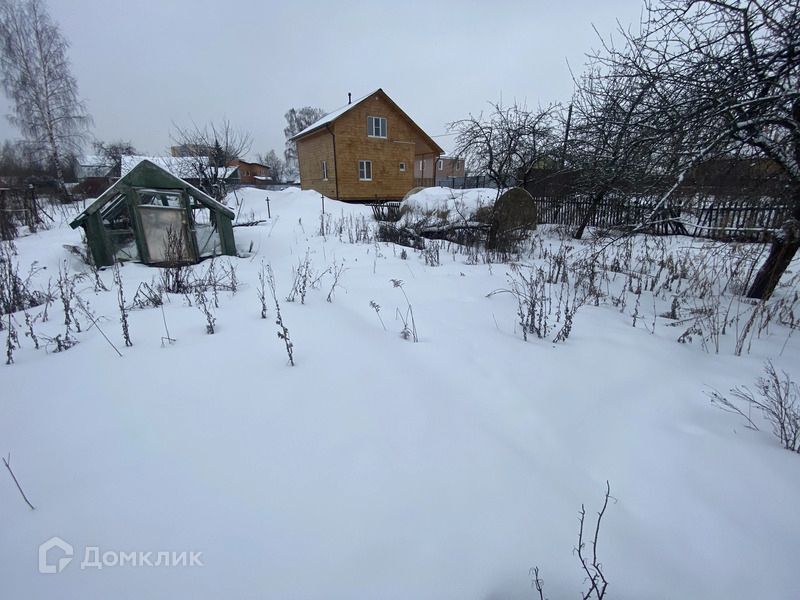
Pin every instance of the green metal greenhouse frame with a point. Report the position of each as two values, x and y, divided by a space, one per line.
127 221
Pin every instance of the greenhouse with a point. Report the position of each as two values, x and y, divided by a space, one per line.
152 216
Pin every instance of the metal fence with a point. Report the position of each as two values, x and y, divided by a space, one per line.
385 211
459 183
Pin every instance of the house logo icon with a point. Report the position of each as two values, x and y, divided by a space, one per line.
57 546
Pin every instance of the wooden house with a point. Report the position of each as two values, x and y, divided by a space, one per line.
363 152
251 173
152 216
439 171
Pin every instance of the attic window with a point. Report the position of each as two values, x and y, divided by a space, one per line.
376 127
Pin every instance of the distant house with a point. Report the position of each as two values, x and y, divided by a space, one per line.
184 167
186 150
94 166
438 171
252 173
364 151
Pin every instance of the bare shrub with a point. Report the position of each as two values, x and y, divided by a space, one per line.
148 295
336 271
262 290
176 275
409 330
777 397
546 300
29 321
203 304
354 229
283 331
123 310
592 568
431 254
377 308
301 276
15 290
12 341
66 292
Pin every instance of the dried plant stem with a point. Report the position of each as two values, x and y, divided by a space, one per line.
7 463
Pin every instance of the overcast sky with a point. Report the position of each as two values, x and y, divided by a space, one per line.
143 65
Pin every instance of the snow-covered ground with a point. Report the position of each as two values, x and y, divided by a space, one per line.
377 467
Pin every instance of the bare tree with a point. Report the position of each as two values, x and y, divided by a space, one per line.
211 148
612 152
18 163
277 166
729 69
37 78
507 144
113 152
296 121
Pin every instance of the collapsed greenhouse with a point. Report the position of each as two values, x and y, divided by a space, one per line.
154 217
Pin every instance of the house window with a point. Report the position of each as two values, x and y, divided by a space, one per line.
376 127
402 167
440 164
421 165
365 170
325 170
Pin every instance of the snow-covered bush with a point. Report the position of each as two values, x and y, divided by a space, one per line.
440 206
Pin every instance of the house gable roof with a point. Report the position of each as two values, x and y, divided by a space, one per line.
147 174
330 118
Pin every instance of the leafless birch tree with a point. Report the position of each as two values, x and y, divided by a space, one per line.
37 78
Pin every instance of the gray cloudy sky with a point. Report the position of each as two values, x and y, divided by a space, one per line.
143 64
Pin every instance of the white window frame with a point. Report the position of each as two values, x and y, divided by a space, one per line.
324 170
383 127
364 166
440 164
402 167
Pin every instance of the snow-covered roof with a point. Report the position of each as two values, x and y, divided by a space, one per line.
145 166
225 172
180 166
93 165
330 117
95 160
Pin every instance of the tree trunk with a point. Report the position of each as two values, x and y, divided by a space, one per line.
55 157
780 256
784 247
588 216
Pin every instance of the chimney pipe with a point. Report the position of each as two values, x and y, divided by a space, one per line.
349 98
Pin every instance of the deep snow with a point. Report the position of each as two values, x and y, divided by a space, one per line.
376 467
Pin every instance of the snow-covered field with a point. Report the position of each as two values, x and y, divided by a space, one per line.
378 467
